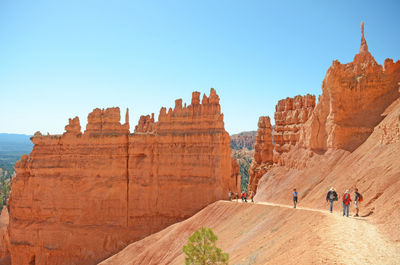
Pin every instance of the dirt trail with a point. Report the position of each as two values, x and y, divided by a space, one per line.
352 240
269 233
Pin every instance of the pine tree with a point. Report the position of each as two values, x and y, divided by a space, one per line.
201 249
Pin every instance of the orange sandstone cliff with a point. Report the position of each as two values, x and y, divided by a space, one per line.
81 197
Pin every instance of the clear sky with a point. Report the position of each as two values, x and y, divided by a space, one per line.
60 59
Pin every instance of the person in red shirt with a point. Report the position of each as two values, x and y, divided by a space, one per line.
346 203
244 197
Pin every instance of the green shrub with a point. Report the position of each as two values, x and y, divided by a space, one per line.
201 249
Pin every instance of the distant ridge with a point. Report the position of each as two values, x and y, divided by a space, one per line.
12 147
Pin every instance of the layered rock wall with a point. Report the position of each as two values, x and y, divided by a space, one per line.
79 198
290 115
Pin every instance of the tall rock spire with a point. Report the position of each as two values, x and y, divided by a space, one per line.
364 46
127 118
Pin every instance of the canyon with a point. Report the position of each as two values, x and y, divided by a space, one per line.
78 198
109 196
349 139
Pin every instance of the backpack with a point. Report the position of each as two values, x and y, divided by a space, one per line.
360 198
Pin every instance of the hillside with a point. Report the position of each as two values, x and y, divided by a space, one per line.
243 140
12 147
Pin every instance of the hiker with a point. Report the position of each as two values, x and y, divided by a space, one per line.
252 196
294 198
357 199
331 197
244 198
230 195
346 203
237 197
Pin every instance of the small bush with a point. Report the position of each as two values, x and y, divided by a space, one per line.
201 249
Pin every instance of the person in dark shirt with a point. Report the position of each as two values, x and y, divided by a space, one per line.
357 200
331 196
294 198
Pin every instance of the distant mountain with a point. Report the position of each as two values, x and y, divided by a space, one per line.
243 140
12 147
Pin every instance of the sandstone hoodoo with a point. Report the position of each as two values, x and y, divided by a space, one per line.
81 197
263 151
353 97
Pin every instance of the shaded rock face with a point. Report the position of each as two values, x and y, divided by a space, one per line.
79 198
4 238
290 115
353 97
263 152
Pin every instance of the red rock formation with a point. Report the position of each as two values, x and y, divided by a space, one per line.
263 149
290 115
73 127
146 124
78 198
353 97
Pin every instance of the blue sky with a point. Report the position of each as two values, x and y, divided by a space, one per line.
60 59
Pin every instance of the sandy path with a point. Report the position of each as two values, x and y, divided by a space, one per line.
352 240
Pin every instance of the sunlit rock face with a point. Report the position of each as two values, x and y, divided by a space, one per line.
81 197
290 115
353 97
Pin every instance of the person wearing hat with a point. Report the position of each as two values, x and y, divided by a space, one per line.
346 203
331 197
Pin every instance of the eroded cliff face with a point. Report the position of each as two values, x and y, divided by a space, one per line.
353 97
263 152
290 115
79 198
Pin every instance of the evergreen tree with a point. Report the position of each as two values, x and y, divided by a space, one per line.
201 249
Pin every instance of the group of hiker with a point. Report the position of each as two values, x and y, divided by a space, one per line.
331 197
244 195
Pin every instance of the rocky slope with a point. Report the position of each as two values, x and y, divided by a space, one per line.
80 197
